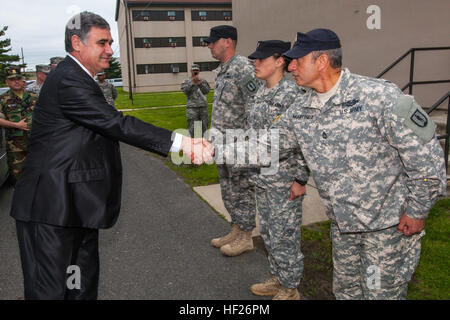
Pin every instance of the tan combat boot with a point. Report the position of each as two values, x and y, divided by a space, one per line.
218 242
287 294
242 243
267 288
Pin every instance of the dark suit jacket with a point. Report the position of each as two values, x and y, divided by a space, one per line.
72 175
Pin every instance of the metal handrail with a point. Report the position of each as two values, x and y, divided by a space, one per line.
411 83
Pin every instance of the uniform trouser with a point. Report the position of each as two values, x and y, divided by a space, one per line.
280 222
194 114
47 252
238 196
373 265
15 156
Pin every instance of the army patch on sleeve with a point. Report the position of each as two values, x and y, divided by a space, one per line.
415 117
249 85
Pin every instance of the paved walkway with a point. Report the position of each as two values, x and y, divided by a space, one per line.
159 248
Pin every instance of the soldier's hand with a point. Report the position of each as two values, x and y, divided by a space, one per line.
22 125
410 226
297 190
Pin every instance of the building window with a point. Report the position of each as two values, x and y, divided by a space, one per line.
157 15
171 15
227 15
161 68
160 42
147 43
211 15
173 42
199 41
208 66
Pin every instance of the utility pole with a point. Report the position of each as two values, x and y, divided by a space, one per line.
23 59
130 88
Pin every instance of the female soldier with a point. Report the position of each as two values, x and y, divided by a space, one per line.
279 212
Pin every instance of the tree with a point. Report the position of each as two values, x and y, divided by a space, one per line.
114 70
5 59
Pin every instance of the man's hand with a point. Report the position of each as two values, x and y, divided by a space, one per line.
22 125
410 226
198 149
297 190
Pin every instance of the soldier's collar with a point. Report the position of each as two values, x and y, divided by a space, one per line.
340 97
225 66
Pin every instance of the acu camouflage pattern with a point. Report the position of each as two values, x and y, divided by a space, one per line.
268 106
234 89
373 265
369 166
197 105
14 109
109 91
280 218
35 88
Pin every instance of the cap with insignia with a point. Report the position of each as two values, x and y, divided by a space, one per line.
195 67
13 72
268 48
218 32
42 68
314 40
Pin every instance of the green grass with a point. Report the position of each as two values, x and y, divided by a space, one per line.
154 99
431 279
173 118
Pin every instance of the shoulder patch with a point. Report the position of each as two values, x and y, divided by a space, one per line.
249 85
415 117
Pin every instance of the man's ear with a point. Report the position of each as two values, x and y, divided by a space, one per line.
324 61
76 43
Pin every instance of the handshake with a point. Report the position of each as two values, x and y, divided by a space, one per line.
198 149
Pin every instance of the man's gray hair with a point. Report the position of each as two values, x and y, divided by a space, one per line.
334 55
80 25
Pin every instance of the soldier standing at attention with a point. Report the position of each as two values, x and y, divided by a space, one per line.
234 89
196 90
374 156
109 91
42 71
16 109
280 215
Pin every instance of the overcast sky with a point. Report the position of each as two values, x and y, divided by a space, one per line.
38 26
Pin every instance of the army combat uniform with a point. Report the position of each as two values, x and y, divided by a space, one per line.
35 88
197 105
109 91
234 89
280 218
14 109
373 154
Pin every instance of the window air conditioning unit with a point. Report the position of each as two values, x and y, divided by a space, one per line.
175 69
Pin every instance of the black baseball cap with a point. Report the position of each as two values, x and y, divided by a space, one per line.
314 40
218 32
268 48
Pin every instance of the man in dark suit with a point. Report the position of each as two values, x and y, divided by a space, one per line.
71 181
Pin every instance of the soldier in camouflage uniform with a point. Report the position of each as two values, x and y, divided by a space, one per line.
42 71
279 214
234 89
378 166
16 109
109 91
196 90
